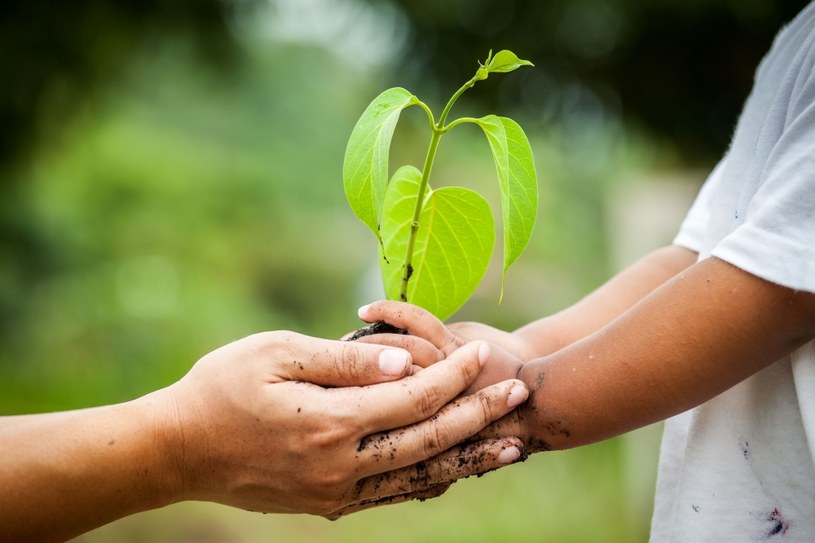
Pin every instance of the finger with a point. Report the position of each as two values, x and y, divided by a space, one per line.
415 320
424 494
431 479
335 363
456 463
469 331
422 352
415 398
512 425
500 365
456 422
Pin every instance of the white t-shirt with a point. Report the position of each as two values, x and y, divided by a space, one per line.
741 467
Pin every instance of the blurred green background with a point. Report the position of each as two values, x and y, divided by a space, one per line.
170 181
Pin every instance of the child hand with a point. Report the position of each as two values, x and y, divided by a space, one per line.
437 341
509 342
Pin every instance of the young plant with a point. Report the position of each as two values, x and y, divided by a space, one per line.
435 245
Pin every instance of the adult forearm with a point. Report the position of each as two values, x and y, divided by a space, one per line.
66 473
606 303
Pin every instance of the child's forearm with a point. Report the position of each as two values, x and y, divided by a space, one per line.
602 306
699 334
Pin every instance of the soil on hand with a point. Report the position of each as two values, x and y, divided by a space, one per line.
379 327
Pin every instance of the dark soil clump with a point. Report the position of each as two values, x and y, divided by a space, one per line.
379 327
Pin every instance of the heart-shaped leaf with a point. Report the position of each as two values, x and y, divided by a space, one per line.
365 169
518 181
453 244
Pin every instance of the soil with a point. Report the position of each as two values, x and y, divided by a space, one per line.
379 327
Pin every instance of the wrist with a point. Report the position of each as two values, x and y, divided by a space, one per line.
166 448
542 423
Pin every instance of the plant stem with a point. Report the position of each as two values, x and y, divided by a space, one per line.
438 130
407 271
446 110
460 120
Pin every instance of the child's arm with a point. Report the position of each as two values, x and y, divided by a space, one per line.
543 336
696 336
606 303
693 337
430 340
551 333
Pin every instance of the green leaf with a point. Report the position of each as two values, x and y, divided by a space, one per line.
505 61
519 184
453 246
365 169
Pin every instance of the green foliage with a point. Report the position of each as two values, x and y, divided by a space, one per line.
435 245
175 218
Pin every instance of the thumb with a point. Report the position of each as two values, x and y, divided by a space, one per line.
348 363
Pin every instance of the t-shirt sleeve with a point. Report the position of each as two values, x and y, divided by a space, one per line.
776 241
692 230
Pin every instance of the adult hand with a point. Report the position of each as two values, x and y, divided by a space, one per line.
254 425
261 432
434 340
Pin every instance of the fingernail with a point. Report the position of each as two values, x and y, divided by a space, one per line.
517 395
483 353
362 311
393 361
508 455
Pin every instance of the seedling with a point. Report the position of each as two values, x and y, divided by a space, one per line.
435 245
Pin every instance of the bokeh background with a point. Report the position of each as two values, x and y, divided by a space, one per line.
170 180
